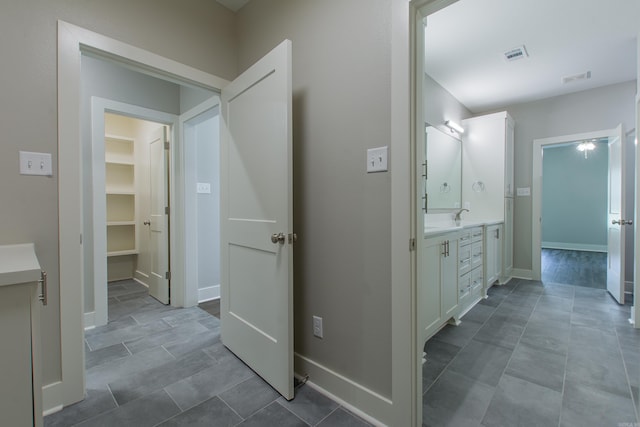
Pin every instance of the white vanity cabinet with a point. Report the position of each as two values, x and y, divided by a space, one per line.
470 268
20 379
438 292
493 255
488 188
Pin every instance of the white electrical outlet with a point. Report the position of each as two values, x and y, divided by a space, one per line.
523 191
35 163
317 326
377 159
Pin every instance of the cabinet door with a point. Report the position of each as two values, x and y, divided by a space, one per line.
507 241
449 271
429 310
508 158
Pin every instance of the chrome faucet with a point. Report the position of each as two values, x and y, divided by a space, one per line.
457 218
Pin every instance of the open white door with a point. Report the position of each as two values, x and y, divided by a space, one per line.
159 220
616 221
257 219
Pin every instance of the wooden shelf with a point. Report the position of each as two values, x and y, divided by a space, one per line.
121 196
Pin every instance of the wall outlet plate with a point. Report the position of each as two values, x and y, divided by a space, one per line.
35 163
377 159
203 188
317 326
523 191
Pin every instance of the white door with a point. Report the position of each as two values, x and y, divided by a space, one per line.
616 221
159 219
257 219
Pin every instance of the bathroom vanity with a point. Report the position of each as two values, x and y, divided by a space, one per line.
20 381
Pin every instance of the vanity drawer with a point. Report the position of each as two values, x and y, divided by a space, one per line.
477 278
476 234
464 285
476 254
464 259
465 237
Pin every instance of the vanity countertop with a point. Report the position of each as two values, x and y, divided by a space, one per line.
439 228
18 264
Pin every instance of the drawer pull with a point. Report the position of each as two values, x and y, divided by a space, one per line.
43 281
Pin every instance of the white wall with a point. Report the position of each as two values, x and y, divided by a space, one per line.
207 131
440 105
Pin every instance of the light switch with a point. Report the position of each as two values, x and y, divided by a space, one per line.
35 163
523 191
377 159
203 188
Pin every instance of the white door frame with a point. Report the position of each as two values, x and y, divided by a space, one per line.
536 188
100 106
73 41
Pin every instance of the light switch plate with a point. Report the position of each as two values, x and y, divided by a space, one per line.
35 163
377 159
523 191
203 188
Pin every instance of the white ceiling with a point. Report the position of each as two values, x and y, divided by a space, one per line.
465 42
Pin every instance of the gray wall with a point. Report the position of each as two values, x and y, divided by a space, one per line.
587 111
342 215
440 105
574 197
200 33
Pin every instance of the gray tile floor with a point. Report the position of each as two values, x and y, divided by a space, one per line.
155 365
535 354
579 268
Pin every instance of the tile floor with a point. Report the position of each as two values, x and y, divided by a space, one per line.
535 355
154 365
579 268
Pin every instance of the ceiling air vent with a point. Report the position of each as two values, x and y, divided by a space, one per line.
516 53
576 77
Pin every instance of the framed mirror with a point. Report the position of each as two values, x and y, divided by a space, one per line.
443 184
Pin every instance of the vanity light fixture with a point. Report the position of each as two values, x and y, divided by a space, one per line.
454 126
586 146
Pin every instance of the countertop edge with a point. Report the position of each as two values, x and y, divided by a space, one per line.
18 264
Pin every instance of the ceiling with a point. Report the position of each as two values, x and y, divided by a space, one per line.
234 5
465 45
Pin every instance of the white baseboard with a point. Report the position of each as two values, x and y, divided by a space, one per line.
208 293
89 320
52 398
141 278
521 273
358 399
574 246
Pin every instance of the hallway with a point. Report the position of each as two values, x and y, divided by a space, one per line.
534 354
157 365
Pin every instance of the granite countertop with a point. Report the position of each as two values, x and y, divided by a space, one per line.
18 264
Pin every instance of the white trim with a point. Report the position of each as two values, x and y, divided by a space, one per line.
587 247
406 369
72 42
52 398
536 189
635 312
100 106
368 401
89 320
521 273
209 293
349 407
142 278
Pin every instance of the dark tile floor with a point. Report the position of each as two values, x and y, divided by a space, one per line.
212 307
535 354
154 365
579 268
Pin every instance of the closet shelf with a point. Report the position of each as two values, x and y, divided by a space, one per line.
122 253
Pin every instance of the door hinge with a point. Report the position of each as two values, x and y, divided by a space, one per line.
412 244
166 145
167 275
166 210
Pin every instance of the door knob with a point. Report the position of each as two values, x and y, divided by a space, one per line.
621 222
278 238
147 223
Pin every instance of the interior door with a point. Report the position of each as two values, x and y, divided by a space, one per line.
616 221
159 220
257 219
